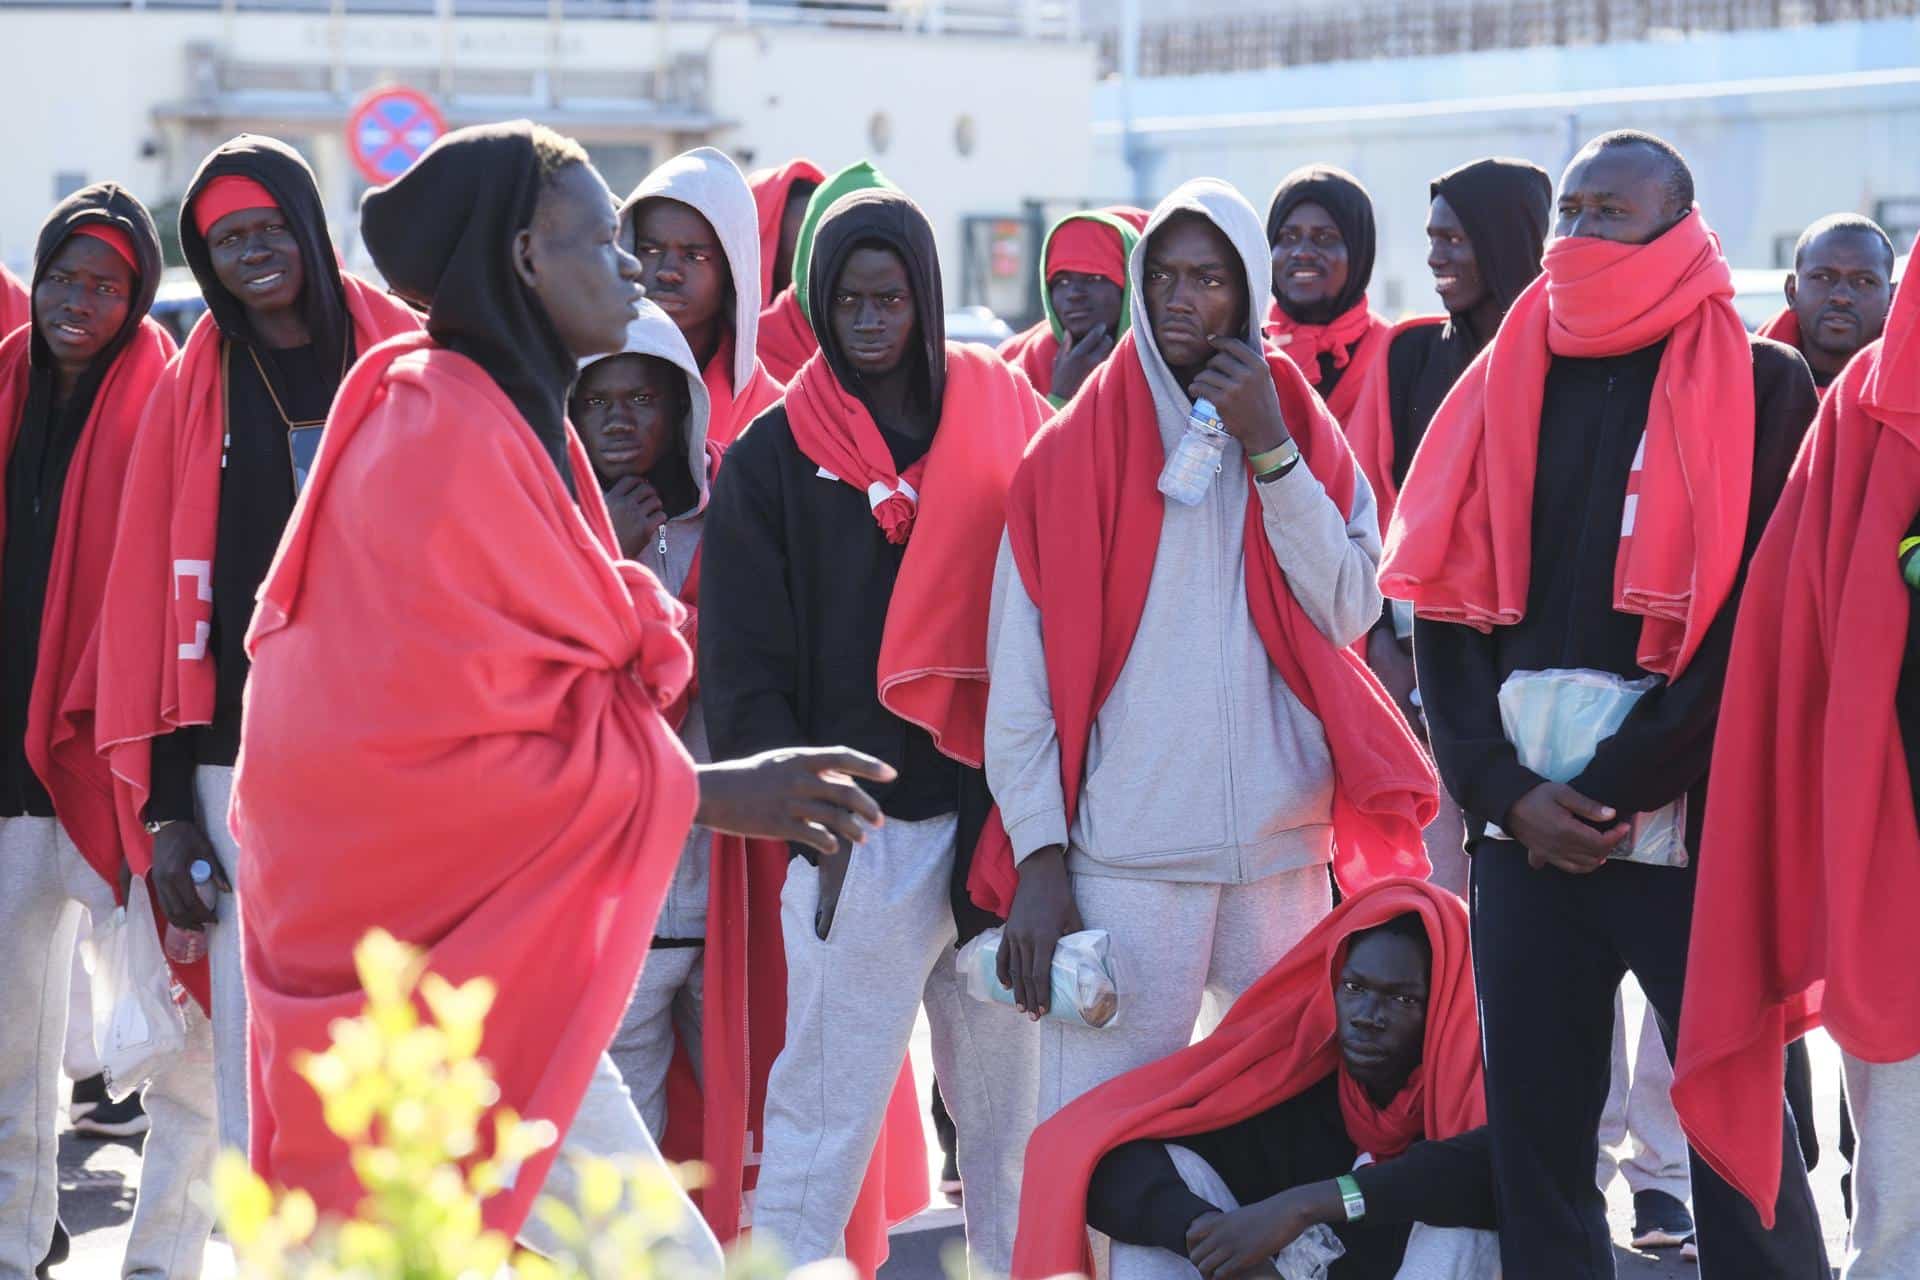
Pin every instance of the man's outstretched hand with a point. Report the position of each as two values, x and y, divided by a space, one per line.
803 795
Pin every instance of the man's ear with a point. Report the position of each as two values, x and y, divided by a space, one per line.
1793 286
523 257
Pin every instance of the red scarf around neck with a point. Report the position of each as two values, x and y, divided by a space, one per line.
1810 862
948 509
1084 519
1784 327
1461 543
1276 1042
1354 339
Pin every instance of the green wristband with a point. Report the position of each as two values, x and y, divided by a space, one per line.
1278 458
1350 1197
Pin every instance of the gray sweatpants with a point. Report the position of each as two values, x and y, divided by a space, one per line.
666 1008
213 787
608 1127
44 886
1184 953
1433 1253
851 1001
1886 1169
1640 1109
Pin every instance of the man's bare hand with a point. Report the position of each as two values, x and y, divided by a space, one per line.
803 795
1043 913
178 846
1554 822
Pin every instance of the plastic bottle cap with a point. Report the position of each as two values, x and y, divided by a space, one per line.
201 870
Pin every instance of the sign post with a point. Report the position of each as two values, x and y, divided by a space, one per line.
389 129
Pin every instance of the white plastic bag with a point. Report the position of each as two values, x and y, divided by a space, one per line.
136 1023
1084 991
1556 721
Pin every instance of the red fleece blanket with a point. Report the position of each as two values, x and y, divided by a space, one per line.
1370 427
1084 519
1277 1041
1356 340
732 412
1784 327
1033 351
157 673
770 188
63 709
1810 864
1461 544
453 732
16 304
786 339
949 510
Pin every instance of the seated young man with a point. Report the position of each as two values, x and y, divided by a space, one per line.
1344 1089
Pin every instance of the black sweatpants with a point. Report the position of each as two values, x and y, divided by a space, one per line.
1550 950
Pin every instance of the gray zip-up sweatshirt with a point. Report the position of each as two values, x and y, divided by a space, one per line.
1203 766
683 914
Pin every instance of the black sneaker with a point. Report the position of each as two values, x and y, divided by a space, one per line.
950 1178
87 1095
57 1251
1660 1221
122 1119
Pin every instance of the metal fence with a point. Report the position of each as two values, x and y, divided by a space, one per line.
1410 28
1045 19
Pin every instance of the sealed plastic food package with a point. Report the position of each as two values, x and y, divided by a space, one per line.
1085 993
1310 1255
1557 719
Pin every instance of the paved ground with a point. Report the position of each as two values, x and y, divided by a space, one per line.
98 1183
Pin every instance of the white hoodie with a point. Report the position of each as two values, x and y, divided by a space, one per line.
1202 766
710 183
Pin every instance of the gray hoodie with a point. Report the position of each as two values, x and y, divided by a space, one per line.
710 183
1202 766
653 333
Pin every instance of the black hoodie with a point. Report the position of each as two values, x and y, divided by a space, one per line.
256 480
1505 207
37 475
441 234
798 577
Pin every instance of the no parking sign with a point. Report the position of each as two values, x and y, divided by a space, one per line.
389 129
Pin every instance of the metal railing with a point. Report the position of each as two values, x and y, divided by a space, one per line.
1416 28
1040 19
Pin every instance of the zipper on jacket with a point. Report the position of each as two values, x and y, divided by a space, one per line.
1220 611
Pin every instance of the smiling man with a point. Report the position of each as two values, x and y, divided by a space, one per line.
1586 501
1838 293
210 489
694 228
73 385
1321 234
1342 1090
454 723
1178 737
1083 287
849 556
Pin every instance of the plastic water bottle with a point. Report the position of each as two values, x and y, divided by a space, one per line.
187 946
1194 461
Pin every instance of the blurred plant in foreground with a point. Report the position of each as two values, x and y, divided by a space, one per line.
409 1096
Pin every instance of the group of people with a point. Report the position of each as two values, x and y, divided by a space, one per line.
649 579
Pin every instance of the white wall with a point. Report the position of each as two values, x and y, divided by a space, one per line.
774 93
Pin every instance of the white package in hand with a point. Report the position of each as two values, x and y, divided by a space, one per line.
136 1023
1556 721
1084 991
1312 1252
